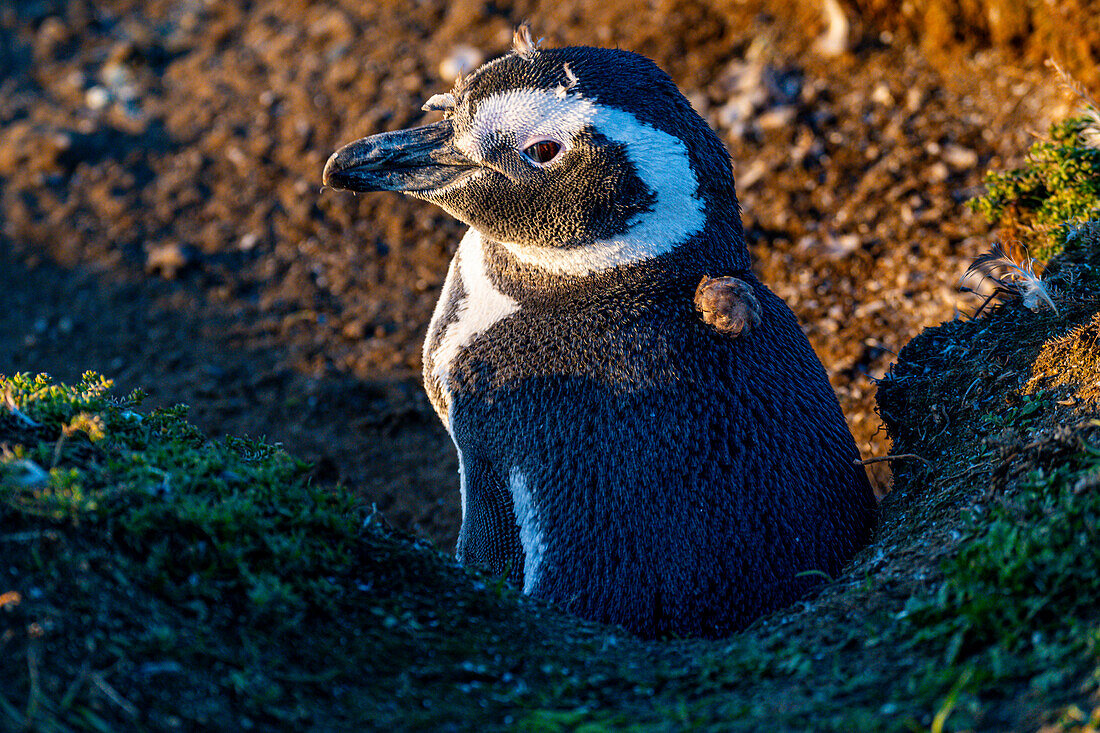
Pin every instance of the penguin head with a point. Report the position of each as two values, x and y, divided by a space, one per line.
574 159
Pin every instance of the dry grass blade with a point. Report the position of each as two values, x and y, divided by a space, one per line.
113 695
1090 136
1013 274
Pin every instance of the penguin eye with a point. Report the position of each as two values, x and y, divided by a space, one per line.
543 151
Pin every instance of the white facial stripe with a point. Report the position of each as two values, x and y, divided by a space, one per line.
482 307
661 160
530 528
526 114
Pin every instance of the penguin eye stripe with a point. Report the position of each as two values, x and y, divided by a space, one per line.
543 151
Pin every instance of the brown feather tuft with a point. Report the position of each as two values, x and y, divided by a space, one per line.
523 43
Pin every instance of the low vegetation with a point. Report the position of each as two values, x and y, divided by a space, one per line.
1045 202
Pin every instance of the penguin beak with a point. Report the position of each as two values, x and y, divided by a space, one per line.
417 160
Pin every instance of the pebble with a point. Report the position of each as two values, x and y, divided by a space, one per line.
354 330
734 115
958 157
881 95
938 172
248 242
168 259
116 75
914 99
459 62
754 174
97 98
777 117
907 215
837 38
841 246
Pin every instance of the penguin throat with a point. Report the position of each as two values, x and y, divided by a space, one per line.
593 258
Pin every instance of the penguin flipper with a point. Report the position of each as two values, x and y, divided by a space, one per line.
489 536
728 304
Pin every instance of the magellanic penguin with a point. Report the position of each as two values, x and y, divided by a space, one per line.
618 456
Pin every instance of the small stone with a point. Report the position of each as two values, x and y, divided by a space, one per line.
938 172
959 158
97 98
914 99
842 246
117 77
167 260
248 242
734 116
236 156
837 38
755 173
459 62
777 118
354 330
75 80
745 82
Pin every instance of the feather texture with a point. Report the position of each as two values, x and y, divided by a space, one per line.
523 43
1013 274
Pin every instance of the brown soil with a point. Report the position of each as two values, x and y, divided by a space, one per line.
162 219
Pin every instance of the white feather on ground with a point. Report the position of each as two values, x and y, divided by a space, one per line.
1013 274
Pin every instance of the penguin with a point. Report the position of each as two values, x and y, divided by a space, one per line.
620 457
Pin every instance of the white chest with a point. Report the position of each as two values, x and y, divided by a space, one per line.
468 306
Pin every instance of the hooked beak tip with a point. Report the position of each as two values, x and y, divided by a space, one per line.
331 166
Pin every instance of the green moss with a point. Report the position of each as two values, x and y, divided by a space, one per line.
1030 563
1013 606
235 514
1058 189
1018 600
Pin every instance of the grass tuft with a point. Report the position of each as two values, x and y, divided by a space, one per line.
1055 192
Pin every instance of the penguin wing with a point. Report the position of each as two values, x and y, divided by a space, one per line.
489 536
